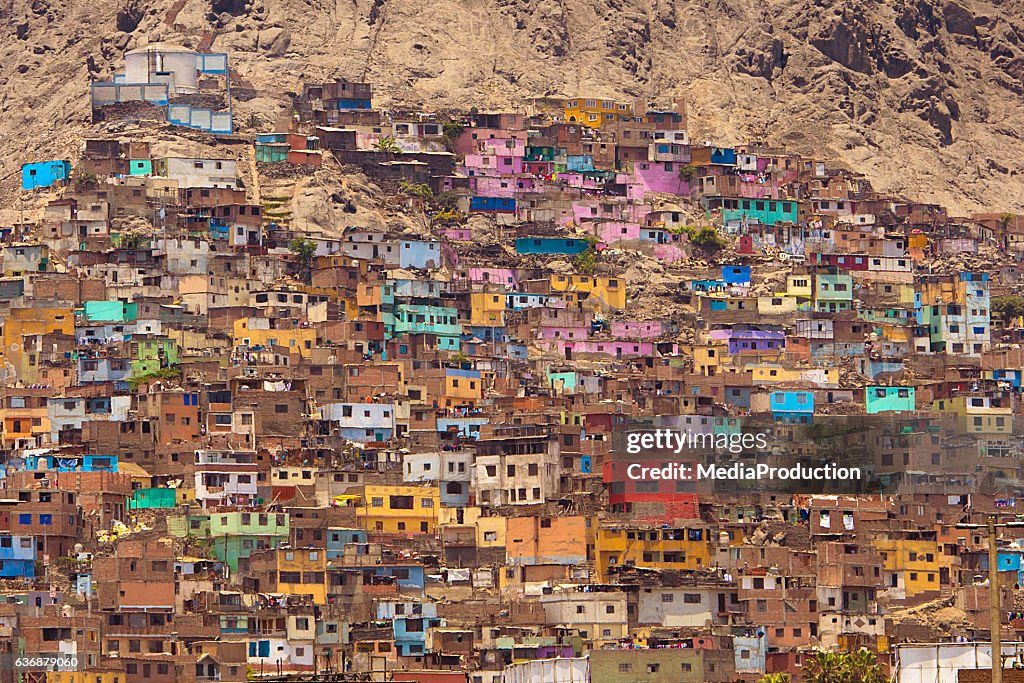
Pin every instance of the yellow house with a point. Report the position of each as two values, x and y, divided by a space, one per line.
610 291
776 305
21 322
23 414
799 286
90 676
399 509
654 548
977 415
303 571
462 388
708 359
909 564
255 331
770 373
595 113
490 529
487 309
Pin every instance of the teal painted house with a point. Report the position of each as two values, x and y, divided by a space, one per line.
153 499
889 400
763 211
566 246
422 319
110 311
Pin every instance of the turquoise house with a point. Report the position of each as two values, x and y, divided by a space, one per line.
140 167
110 311
44 174
548 246
763 211
153 499
889 400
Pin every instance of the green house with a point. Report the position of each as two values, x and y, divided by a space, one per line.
235 535
150 355
889 400
153 499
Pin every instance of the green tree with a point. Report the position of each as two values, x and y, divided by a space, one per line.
1008 307
387 144
304 251
707 239
416 190
585 262
452 131
843 667
687 172
774 678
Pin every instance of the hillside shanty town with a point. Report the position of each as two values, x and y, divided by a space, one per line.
342 397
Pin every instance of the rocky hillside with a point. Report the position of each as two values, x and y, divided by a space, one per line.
924 96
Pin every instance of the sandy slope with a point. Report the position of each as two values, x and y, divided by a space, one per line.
923 96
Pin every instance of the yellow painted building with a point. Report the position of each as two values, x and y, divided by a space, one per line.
909 564
595 113
799 286
977 415
22 322
610 291
708 359
303 571
91 676
487 309
248 332
654 548
462 391
399 509
23 414
776 305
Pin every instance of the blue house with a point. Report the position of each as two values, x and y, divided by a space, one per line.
492 204
44 174
338 538
416 254
17 557
736 275
578 163
410 621
794 407
547 246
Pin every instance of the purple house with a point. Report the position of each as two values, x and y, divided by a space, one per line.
741 341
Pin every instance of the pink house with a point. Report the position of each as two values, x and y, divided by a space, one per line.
660 177
613 231
501 276
469 141
637 329
619 349
457 234
562 332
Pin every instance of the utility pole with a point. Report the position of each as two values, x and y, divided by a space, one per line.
995 614
994 600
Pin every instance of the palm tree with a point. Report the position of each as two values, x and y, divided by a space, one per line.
387 144
774 678
843 667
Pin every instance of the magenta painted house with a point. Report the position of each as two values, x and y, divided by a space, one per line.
500 276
